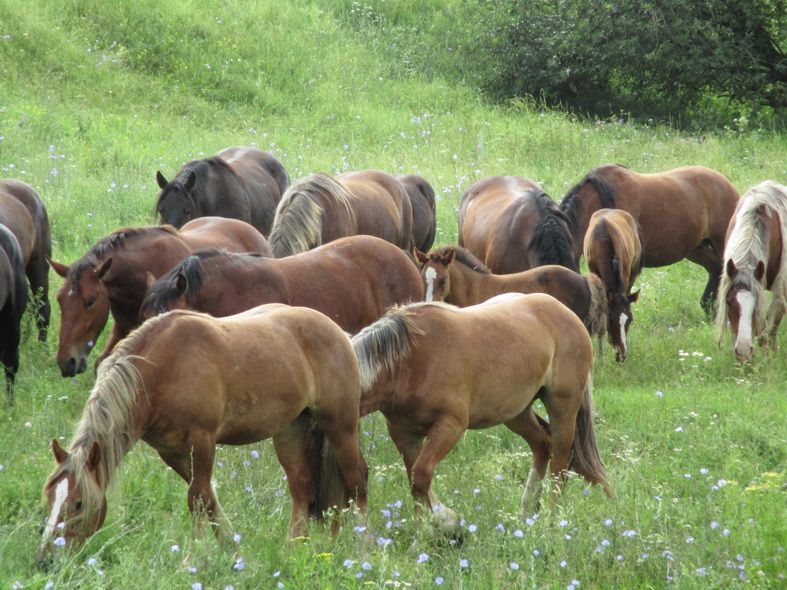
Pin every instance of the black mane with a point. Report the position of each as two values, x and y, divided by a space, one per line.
570 203
552 235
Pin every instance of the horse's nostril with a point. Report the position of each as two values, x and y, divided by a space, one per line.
82 366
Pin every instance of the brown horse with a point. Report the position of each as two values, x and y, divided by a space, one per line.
422 202
22 212
319 209
112 276
185 382
614 253
682 213
453 275
351 280
13 298
756 260
239 182
512 225
435 370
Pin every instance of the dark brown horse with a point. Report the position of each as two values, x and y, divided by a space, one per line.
512 225
112 276
614 253
185 382
681 213
318 209
453 275
13 298
435 370
239 182
22 212
351 280
422 202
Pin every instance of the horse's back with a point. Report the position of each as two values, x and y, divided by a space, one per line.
422 201
236 235
17 207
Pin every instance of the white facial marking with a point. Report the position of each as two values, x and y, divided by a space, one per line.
61 493
430 275
623 319
746 304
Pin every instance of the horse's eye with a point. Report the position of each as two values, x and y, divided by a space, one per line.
78 505
441 283
90 302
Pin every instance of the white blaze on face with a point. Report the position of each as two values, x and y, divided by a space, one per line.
746 308
61 493
430 275
623 319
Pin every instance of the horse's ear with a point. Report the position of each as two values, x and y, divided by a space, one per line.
60 269
162 182
181 284
93 456
102 270
448 256
759 271
150 280
634 296
420 256
191 180
58 451
731 270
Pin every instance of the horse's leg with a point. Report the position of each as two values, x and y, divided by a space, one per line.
291 447
562 411
343 435
775 314
601 346
710 258
9 352
38 275
536 434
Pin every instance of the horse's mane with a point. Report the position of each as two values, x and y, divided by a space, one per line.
570 203
297 225
201 169
552 237
464 257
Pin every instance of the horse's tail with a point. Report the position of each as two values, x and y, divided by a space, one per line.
552 239
297 225
384 343
596 320
585 458
328 489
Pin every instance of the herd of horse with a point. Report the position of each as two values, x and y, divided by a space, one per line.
260 309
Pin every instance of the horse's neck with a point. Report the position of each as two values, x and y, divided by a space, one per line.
469 287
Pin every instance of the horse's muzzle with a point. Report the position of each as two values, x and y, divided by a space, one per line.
73 367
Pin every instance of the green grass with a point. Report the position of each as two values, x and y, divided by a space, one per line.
96 96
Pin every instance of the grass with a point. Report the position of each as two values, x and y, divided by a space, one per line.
96 96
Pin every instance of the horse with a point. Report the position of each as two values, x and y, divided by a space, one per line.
453 275
239 182
755 258
512 225
112 277
614 253
318 209
435 370
184 382
13 298
682 213
351 280
422 201
23 213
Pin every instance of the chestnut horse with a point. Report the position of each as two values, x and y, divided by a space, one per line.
318 209
13 298
351 280
22 212
453 275
112 276
682 213
435 370
755 260
239 182
185 382
512 225
614 253
422 203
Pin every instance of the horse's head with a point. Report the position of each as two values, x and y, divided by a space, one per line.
75 493
619 320
434 272
164 295
176 204
84 310
741 300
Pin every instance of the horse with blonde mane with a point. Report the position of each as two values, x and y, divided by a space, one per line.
755 261
435 370
184 382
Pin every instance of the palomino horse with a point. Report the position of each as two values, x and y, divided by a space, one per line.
22 212
13 298
435 370
112 276
512 225
453 275
239 182
756 260
185 382
318 209
351 280
422 202
682 213
613 252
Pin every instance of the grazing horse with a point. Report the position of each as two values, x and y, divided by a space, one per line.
422 202
319 209
351 280
239 182
613 252
185 382
512 225
112 276
22 212
435 370
681 213
453 275
13 297
755 260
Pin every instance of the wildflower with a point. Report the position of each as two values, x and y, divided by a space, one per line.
49 585
679 429
519 534
276 574
476 491
630 533
726 532
384 541
196 586
586 492
619 557
359 529
499 477
59 542
366 566
605 543
514 566
347 562
701 571
563 523
236 537
255 454
530 522
563 563
439 580
536 553
192 569
175 548
608 522
463 563
472 528
689 539
422 558
721 483
500 528
92 561
359 575
239 565
659 394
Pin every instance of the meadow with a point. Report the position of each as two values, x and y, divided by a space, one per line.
96 96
